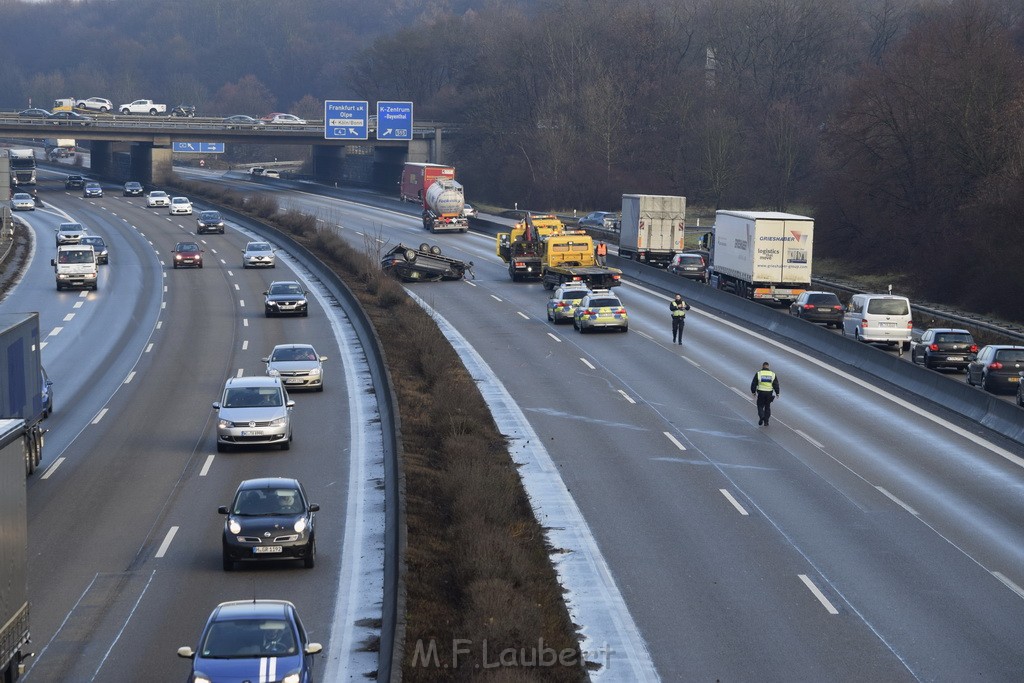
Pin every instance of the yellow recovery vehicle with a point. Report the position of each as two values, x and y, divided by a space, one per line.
571 258
522 248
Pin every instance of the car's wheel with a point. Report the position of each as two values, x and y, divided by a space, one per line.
985 384
268 314
273 265
1020 397
222 447
229 564
125 111
928 363
970 377
425 248
305 314
200 265
435 250
59 288
309 560
551 318
287 444
410 255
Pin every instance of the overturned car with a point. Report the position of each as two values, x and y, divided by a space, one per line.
423 264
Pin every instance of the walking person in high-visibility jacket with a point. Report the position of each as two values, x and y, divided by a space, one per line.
765 386
678 307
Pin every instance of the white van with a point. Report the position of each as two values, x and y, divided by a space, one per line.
881 318
75 266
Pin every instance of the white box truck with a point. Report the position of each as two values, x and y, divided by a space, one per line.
651 228
762 255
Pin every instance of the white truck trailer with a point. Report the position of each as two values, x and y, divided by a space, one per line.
651 228
762 255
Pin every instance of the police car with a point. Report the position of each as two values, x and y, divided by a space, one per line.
563 301
600 309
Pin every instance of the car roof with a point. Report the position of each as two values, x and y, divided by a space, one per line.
70 226
1002 347
285 282
292 346
269 483
157 192
253 381
184 199
257 242
242 609
947 329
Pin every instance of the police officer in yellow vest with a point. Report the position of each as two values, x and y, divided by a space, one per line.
678 307
765 386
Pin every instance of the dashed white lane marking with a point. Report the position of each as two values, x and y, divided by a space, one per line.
735 503
52 468
78 304
245 345
163 304
241 303
162 550
240 371
818 594
675 441
83 294
165 289
588 363
495 298
237 288
206 465
55 331
808 437
558 340
522 315
1009 584
245 322
69 317
897 501
471 284
159 324
627 396
149 347
99 416
130 377
212 250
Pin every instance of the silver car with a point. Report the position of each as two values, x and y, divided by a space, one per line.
22 201
258 254
298 365
157 198
254 411
70 233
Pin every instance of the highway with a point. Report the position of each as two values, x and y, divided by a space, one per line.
867 534
124 533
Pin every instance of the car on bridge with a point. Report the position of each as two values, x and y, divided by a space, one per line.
157 198
184 110
70 118
269 519
279 117
99 104
34 113
242 121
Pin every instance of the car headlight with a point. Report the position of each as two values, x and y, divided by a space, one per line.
279 422
272 303
291 678
234 527
300 525
223 424
200 678
315 372
273 372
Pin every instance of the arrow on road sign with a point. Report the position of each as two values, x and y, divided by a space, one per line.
353 131
388 131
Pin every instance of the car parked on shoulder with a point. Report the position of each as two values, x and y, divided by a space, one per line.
564 300
74 181
100 247
600 309
70 233
187 254
285 297
180 206
209 221
132 189
819 307
92 189
22 201
254 411
944 347
690 265
252 640
997 368
298 365
259 254
157 198
600 220
269 519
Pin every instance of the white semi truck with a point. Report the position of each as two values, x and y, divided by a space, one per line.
761 255
651 228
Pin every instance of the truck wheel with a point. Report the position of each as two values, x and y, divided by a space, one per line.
152 112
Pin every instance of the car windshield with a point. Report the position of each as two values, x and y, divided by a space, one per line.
210 216
267 502
888 307
188 246
294 354
286 289
22 196
259 246
157 193
76 256
1010 356
253 397
605 303
180 200
249 638
95 241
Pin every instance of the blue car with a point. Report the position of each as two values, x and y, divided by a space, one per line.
253 640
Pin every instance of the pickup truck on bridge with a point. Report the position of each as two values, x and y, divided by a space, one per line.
143 107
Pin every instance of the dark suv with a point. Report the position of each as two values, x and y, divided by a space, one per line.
690 265
819 307
944 347
74 182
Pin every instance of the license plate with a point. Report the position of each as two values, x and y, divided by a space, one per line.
955 358
293 381
267 549
887 324
253 432
1015 378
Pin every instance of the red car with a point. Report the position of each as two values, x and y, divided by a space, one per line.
187 254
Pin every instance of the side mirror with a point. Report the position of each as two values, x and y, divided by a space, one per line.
267 359
323 358
186 652
266 293
53 262
312 648
216 405
289 403
313 507
223 509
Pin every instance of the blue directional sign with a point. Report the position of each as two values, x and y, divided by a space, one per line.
198 147
394 120
346 120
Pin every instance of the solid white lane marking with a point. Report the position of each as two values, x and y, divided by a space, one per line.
52 468
240 371
523 315
124 627
206 465
245 345
69 317
99 416
55 331
588 363
130 377
627 397
897 501
556 339
818 594
1009 584
167 541
495 298
78 304
746 395
735 503
675 441
807 436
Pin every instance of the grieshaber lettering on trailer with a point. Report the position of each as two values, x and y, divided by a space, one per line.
480 655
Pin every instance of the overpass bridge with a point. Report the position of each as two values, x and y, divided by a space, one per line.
147 142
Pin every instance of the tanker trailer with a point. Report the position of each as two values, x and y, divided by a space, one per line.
442 207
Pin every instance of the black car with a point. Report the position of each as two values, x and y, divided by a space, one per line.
69 117
92 189
285 297
944 347
269 519
74 181
997 368
600 220
34 113
188 110
690 265
132 189
819 307
209 221
99 246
